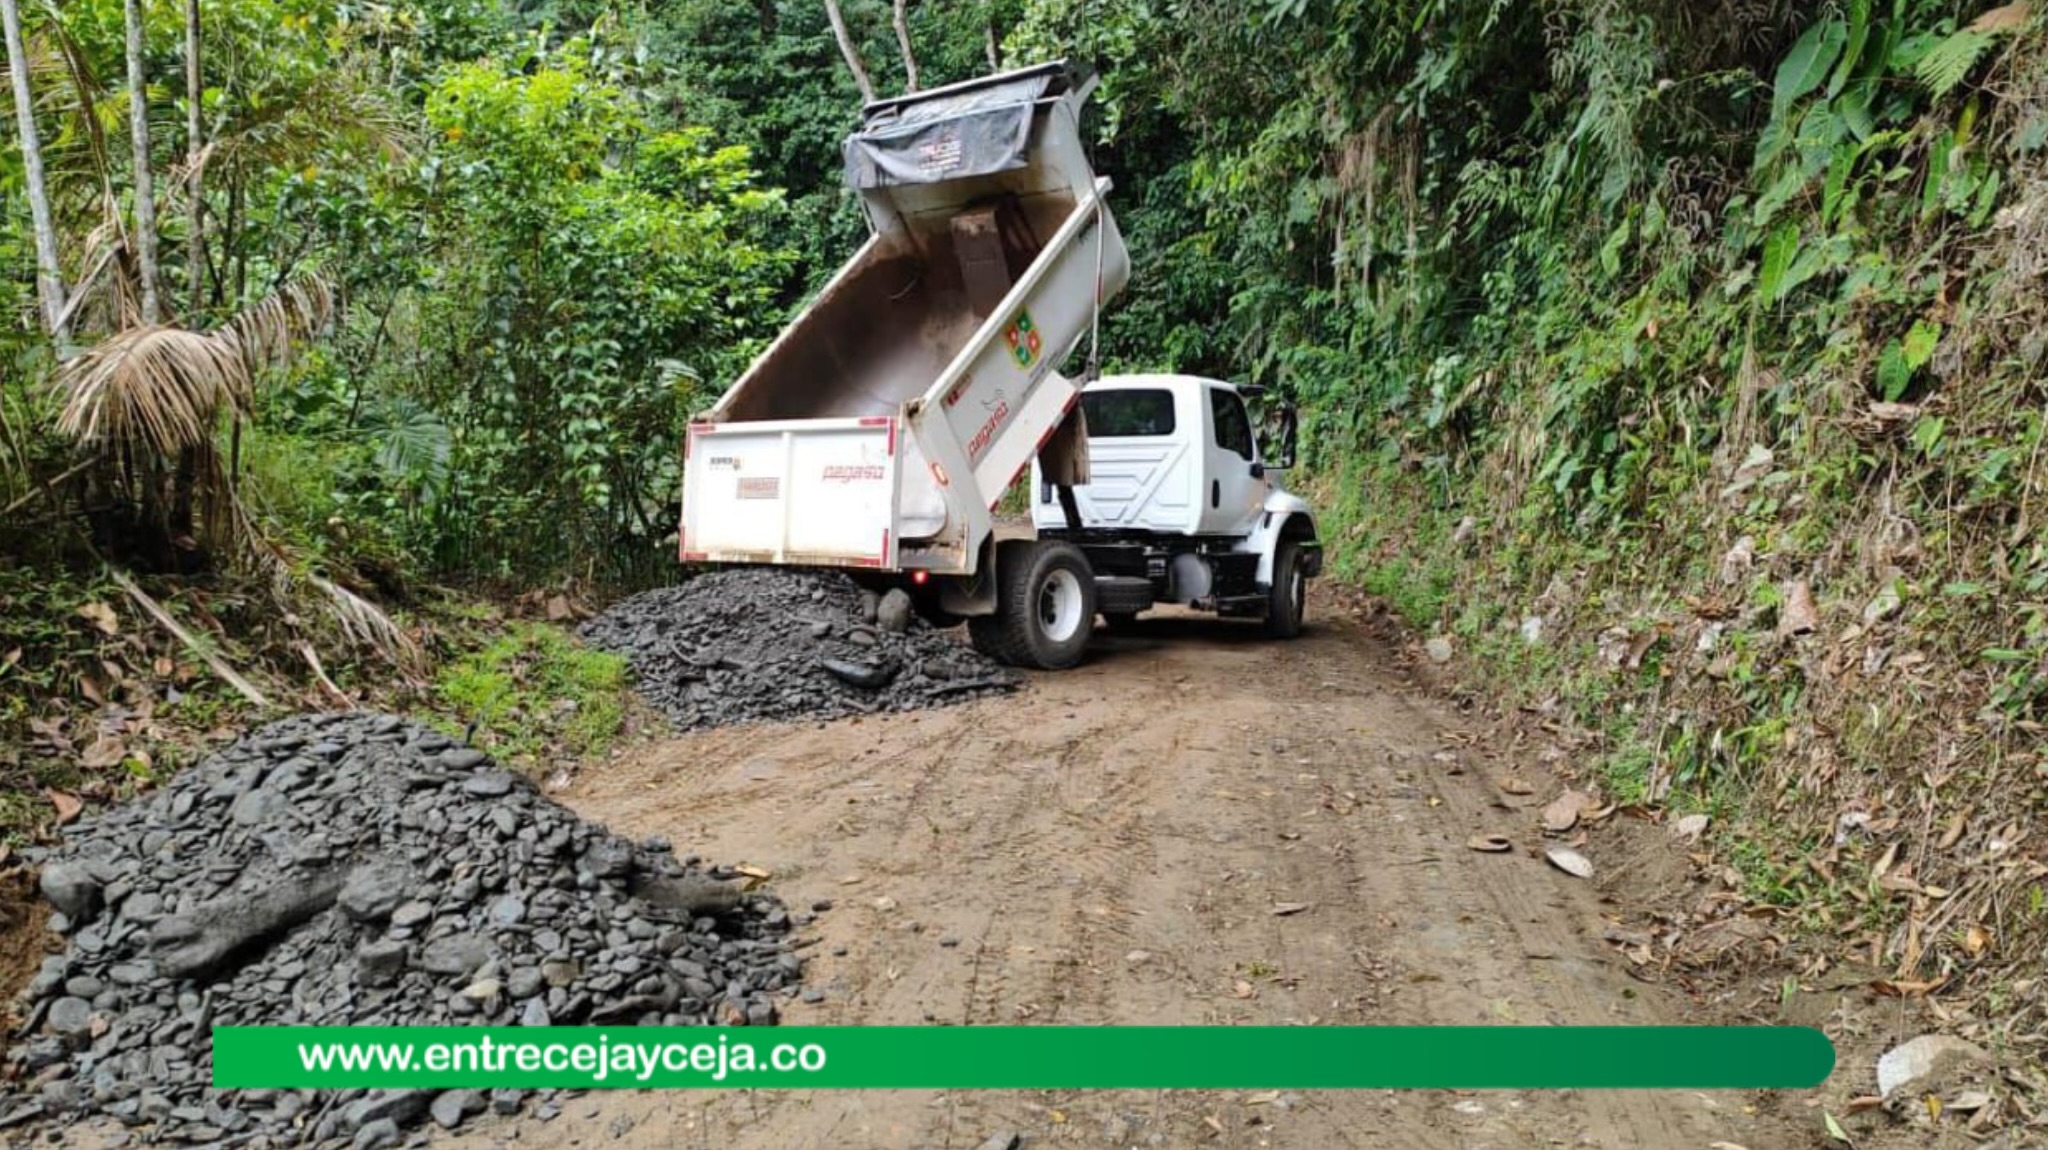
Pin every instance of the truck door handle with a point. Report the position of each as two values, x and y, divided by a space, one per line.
1215 493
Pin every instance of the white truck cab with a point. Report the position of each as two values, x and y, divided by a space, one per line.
1180 496
881 429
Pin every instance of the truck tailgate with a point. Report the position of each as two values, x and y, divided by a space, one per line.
808 491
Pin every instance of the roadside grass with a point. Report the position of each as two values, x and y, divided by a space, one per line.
531 692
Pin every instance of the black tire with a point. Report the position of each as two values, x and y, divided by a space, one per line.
1045 607
987 634
1287 599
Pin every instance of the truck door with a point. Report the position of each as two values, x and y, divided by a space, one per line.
1234 497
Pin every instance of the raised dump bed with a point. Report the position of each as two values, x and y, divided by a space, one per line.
880 429
887 419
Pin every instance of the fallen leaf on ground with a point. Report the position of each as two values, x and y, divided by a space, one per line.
884 904
104 752
752 871
1563 812
1969 1100
1287 908
1515 786
1798 616
1691 826
1726 1146
1213 1123
1835 1130
1570 862
1908 989
1263 1098
102 616
1490 844
1976 940
1243 989
68 806
1954 833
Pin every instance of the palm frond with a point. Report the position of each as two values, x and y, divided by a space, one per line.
266 333
339 109
364 623
159 388
360 621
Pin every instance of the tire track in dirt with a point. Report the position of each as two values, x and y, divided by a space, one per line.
1110 846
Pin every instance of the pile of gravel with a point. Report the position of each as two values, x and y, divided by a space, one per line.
357 869
765 644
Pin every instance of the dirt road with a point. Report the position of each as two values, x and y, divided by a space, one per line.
1109 847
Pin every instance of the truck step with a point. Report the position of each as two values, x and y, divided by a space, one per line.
1122 594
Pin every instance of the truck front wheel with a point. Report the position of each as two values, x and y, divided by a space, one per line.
1287 600
1045 606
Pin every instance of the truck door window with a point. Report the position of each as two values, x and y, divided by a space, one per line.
1128 412
1233 426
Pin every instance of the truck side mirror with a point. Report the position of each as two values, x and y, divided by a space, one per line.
1279 440
1258 470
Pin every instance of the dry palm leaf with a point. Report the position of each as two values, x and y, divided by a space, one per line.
363 622
161 388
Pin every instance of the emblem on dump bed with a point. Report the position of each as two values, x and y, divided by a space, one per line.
1022 336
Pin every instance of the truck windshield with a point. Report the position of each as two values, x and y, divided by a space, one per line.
1122 413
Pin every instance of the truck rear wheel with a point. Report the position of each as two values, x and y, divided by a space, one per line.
1287 600
1045 607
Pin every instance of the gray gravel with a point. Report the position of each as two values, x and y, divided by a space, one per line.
778 644
357 869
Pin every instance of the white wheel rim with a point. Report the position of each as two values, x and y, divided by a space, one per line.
1059 606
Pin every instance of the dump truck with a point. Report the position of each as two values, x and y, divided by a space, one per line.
882 427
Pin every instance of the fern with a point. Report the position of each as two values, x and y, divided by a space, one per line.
1945 64
411 442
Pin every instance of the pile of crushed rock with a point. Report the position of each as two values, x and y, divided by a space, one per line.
358 869
768 644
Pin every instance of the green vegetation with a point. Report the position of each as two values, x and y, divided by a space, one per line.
533 690
1625 333
1679 363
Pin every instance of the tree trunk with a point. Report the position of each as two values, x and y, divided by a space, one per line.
903 42
49 273
847 48
145 195
994 45
195 239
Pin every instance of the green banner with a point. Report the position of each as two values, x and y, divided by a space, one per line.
1027 1057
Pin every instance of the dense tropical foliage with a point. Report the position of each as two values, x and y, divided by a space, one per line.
1679 359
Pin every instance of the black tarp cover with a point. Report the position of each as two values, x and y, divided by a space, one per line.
972 133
